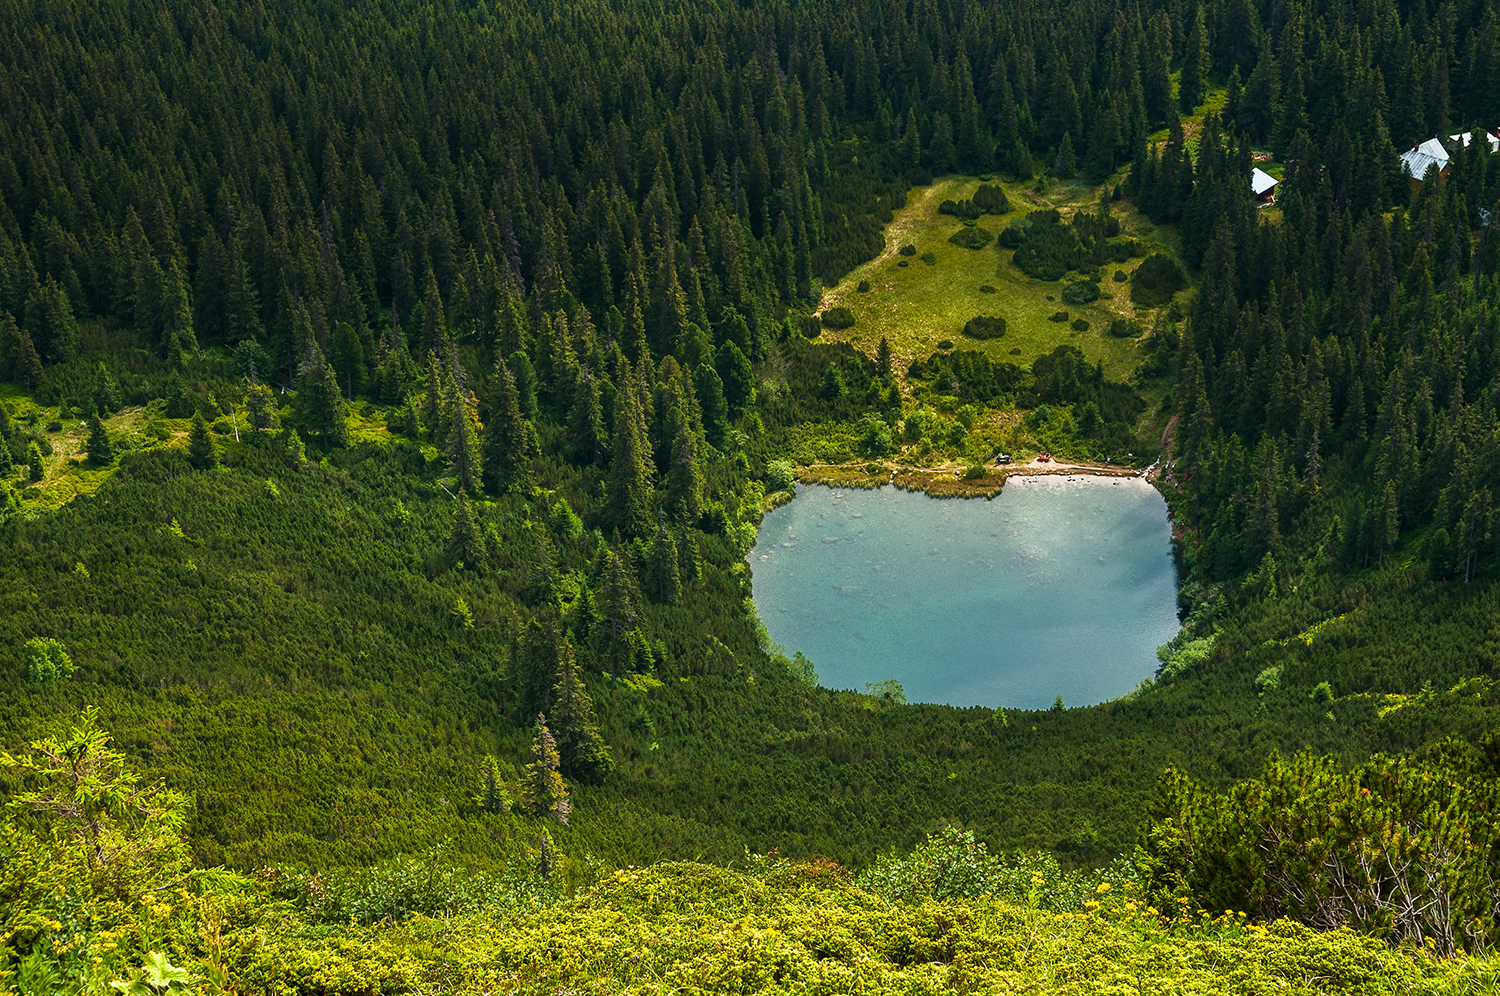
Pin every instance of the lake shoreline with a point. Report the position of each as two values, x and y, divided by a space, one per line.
947 481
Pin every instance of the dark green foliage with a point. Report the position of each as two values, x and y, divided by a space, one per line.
465 549
838 318
737 377
833 387
630 507
1193 86
1044 251
463 447
509 440
1083 292
320 404
1155 281
101 451
985 327
908 250
203 453
663 582
34 470
978 377
260 406
710 390
583 753
971 237
991 199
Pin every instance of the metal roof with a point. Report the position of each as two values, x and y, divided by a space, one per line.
1261 181
1422 158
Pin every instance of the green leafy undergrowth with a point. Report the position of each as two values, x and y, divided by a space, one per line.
807 929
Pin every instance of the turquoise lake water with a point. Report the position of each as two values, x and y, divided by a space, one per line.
1058 586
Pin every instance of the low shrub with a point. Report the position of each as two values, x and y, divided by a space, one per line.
1121 276
1156 280
1083 292
986 289
809 326
945 344
1081 325
908 250
991 199
838 318
929 258
971 238
1058 316
864 287
985 327
960 209
1123 328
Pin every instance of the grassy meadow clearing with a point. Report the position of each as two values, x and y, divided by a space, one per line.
916 304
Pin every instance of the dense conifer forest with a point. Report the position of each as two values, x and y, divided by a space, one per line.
389 395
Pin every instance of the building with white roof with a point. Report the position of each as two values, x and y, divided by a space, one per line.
1263 185
1491 137
1423 157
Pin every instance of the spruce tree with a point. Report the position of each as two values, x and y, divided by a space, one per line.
1192 86
684 485
519 365
100 452
737 377
583 752
547 793
911 142
319 401
535 669
628 506
6 461
586 421
463 446
507 438
492 796
465 544
260 405
615 602
662 577
34 470
710 390
202 452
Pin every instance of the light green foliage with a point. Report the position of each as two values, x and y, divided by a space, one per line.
462 614
1268 680
781 475
804 928
428 884
87 799
1182 655
493 795
952 864
1400 849
156 975
546 793
564 520
47 660
889 690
